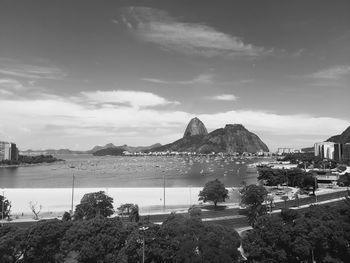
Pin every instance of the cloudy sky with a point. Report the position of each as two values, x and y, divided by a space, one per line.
74 74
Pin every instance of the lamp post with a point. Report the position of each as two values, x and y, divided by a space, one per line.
315 189
73 182
2 207
163 189
143 229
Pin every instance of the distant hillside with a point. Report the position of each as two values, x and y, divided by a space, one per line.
115 151
342 138
233 138
131 149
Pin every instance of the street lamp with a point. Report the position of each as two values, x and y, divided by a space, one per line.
315 189
2 207
73 182
163 189
143 229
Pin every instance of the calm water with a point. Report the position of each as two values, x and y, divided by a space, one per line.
148 171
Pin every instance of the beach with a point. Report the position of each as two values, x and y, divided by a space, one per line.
150 200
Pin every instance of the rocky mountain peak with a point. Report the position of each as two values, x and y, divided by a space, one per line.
195 127
234 127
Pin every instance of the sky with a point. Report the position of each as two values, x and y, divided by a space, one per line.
75 74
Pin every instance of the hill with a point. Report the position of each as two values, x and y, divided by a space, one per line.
342 138
234 138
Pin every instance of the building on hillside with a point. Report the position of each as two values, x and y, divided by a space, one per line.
8 151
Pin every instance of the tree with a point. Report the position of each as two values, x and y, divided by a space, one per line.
195 211
36 209
134 213
269 200
214 191
124 209
6 205
344 179
253 196
310 182
96 240
94 204
285 198
182 239
322 234
66 216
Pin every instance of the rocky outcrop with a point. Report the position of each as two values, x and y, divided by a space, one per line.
195 127
234 138
342 138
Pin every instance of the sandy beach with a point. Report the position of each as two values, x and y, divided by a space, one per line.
58 200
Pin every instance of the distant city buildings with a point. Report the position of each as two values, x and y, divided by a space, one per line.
8 151
333 151
285 151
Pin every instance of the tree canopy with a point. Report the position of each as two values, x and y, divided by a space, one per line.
6 205
213 191
322 234
253 197
94 204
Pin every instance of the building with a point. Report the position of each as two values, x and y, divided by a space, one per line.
8 151
333 151
284 151
346 152
325 150
338 152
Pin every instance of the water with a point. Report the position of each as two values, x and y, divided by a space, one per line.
120 172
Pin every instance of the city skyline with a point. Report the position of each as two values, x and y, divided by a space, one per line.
75 75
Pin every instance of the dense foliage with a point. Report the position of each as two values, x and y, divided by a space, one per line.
213 191
5 207
322 234
253 197
309 160
178 239
94 204
291 177
24 159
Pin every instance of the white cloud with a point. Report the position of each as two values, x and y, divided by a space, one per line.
200 79
130 98
17 69
92 117
333 73
11 84
158 27
225 97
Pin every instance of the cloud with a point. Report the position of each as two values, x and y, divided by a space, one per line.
94 117
16 69
131 98
158 27
333 73
200 79
225 97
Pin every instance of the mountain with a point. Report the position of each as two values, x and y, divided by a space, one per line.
233 138
124 147
98 147
195 127
342 138
115 151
